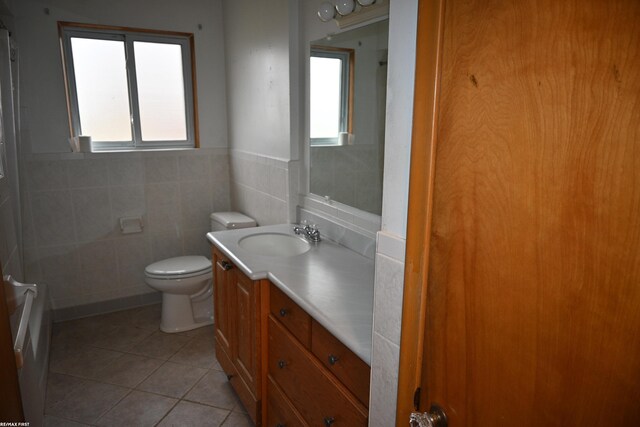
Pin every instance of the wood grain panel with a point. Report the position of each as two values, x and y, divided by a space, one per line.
317 394
247 330
349 368
223 298
280 410
534 269
294 318
249 400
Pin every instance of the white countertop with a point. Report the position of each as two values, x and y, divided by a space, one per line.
330 282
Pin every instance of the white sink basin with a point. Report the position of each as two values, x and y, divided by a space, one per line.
274 244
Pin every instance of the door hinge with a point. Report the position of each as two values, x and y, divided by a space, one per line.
416 399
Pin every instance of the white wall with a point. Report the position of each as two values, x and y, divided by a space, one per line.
390 255
257 59
43 93
260 52
401 72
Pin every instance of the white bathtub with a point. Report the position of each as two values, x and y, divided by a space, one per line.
33 374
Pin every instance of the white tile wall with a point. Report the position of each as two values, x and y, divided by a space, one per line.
387 319
72 207
388 297
385 358
260 187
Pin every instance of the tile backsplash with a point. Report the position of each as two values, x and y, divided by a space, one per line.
73 202
260 187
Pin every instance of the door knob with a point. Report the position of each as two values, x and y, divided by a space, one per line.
434 418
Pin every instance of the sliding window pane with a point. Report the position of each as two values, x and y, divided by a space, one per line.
161 91
102 89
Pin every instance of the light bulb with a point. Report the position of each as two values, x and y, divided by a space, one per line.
326 12
345 7
366 2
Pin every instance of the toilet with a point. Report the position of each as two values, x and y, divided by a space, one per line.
186 281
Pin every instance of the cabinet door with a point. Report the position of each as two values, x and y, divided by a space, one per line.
223 300
246 320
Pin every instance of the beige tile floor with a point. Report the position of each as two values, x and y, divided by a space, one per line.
118 369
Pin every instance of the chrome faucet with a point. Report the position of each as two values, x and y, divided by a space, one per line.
308 231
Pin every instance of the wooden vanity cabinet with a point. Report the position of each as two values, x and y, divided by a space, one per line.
315 379
237 317
284 366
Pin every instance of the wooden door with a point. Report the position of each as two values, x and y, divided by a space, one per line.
223 299
522 284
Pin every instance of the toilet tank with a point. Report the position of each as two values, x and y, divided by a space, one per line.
230 221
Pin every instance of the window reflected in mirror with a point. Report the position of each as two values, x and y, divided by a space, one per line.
347 81
331 94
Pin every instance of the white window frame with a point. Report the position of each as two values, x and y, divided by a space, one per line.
129 36
346 56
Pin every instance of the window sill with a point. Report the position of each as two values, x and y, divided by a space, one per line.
137 150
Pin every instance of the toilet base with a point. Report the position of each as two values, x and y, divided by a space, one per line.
178 316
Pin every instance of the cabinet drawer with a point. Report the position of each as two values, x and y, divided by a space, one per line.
320 398
280 411
342 362
295 319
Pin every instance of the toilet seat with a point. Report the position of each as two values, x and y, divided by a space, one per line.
181 267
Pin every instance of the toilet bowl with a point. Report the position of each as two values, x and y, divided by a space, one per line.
186 282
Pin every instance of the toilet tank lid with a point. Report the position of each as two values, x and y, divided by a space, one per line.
179 265
233 220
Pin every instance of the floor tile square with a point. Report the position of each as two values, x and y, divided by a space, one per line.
88 402
121 338
172 379
213 389
160 345
138 409
238 419
128 370
200 352
83 362
187 414
147 317
59 386
50 421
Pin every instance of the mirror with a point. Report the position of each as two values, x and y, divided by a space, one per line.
348 81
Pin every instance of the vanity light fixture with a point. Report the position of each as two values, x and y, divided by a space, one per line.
345 7
326 12
340 9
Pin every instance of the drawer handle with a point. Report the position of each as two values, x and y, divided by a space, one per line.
328 421
283 312
226 266
281 364
333 359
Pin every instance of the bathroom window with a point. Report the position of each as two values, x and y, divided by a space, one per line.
331 94
128 88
